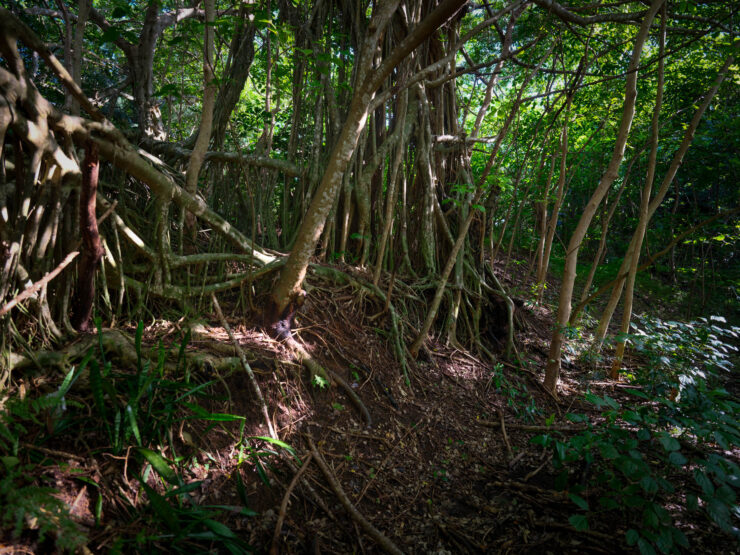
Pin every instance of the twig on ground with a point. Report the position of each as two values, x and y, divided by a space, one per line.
246 367
506 437
369 529
531 428
568 528
52 452
532 489
536 471
284 504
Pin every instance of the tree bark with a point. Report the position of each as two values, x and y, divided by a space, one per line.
553 223
92 251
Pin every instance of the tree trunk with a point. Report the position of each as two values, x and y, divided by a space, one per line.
206 119
92 251
368 80
552 371
553 224
644 205
655 203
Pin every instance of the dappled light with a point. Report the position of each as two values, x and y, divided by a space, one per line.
411 276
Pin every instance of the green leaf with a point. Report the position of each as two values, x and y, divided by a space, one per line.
608 451
279 443
721 440
202 414
608 503
10 462
98 508
726 494
669 443
160 464
320 381
542 440
111 34
704 482
162 508
677 458
649 484
134 425
650 518
579 522
679 538
119 12
187 488
240 489
632 536
664 541
719 513
218 528
692 502
645 548
578 500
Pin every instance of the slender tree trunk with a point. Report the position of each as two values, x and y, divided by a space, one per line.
655 203
552 371
644 205
206 118
390 201
606 220
553 224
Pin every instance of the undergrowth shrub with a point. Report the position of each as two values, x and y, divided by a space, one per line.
23 503
138 410
669 447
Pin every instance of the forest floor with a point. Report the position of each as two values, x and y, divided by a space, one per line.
446 466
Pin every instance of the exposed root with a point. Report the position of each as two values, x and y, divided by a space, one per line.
353 397
340 277
387 545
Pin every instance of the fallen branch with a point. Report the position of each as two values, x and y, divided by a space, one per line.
371 531
503 431
284 504
530 428
246 367
36 287
52 452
